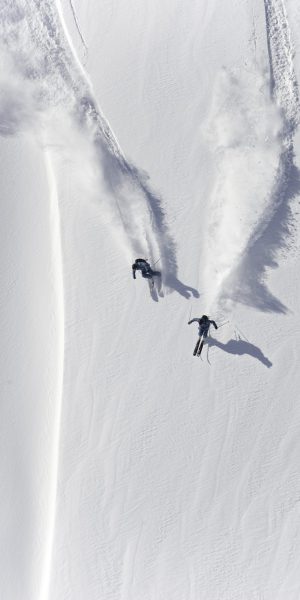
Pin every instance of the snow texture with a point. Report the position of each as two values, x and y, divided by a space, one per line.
130 469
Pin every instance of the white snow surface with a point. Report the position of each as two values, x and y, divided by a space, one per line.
130 469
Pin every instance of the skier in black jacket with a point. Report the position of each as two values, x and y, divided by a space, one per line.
204 325
140 264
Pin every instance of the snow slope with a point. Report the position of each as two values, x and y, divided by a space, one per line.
130 469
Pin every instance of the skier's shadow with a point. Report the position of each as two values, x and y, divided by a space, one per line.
240 347
173 283
184 290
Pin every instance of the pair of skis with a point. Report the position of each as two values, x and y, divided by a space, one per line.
199 346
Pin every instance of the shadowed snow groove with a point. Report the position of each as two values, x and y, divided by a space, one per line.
77 25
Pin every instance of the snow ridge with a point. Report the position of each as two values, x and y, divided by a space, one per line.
251 127
57 257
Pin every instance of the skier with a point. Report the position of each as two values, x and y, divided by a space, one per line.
140 264
204 325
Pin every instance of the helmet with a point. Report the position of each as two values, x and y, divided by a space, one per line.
204 317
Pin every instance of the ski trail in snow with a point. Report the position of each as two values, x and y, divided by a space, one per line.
40 58
77 25
252 125
283 81
136 206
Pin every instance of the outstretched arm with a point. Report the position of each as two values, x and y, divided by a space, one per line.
133 271
214 324
193 321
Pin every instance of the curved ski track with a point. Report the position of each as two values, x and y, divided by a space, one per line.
275 228
36 39
270 219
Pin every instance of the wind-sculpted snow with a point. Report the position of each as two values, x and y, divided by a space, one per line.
252 123
52 97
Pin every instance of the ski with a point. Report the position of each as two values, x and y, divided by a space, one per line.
196 347
200 347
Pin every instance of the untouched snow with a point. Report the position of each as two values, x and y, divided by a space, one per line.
131 470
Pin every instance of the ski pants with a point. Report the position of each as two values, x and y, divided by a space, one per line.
203 331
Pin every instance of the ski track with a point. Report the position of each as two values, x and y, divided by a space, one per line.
77 26
39 55
259 173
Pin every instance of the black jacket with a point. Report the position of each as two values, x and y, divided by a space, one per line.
140 264
204 324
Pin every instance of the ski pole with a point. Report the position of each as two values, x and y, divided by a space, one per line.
219 327
156 261
241 333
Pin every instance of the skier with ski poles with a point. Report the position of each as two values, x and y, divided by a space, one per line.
204 325
140 264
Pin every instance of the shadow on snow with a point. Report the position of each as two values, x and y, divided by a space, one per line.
240 347
120 177
247 285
